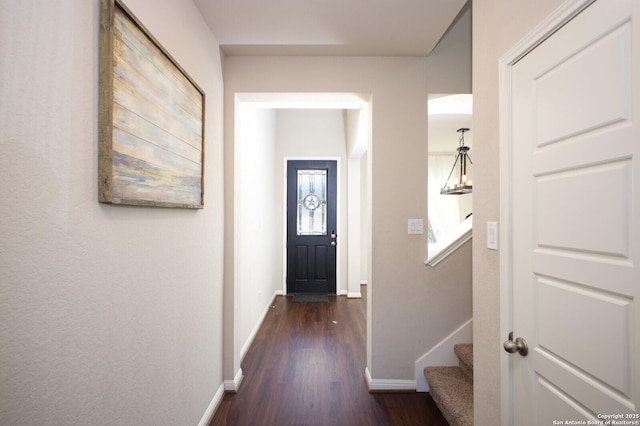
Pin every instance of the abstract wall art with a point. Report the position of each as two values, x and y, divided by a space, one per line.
151 148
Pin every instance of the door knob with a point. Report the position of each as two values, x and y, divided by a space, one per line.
333 243
520 345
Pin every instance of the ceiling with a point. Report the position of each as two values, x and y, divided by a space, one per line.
329 27
447 114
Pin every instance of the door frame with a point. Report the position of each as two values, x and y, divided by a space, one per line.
339 230
556 20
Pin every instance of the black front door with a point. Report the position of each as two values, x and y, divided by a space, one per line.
311 226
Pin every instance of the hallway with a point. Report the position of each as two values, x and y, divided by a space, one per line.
306 366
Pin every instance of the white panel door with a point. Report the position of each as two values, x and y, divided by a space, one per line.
575 220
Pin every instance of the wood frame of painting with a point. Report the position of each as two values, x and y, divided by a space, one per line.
151 119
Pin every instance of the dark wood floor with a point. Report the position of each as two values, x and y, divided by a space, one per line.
306 367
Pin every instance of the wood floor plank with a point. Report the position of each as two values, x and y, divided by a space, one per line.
306 367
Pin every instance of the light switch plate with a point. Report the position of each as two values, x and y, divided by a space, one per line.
492 235
415 226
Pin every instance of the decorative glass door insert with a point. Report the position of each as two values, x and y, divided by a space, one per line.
311 221
312 202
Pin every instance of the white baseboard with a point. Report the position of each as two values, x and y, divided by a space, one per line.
234 385
211 409
389 385
255 329
442 354
354 295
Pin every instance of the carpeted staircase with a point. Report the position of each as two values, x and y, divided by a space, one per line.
452 387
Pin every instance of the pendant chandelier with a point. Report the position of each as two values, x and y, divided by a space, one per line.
461 185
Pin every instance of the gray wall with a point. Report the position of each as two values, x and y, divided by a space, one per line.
498 26
108 315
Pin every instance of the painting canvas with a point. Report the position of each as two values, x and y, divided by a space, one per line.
151 119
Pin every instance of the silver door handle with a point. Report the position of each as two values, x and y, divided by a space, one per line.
333 243
520 345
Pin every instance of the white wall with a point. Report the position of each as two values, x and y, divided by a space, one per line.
108 315
411 308
257 271
365 227
358 141
497 26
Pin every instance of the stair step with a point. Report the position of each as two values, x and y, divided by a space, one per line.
464 352
452 390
